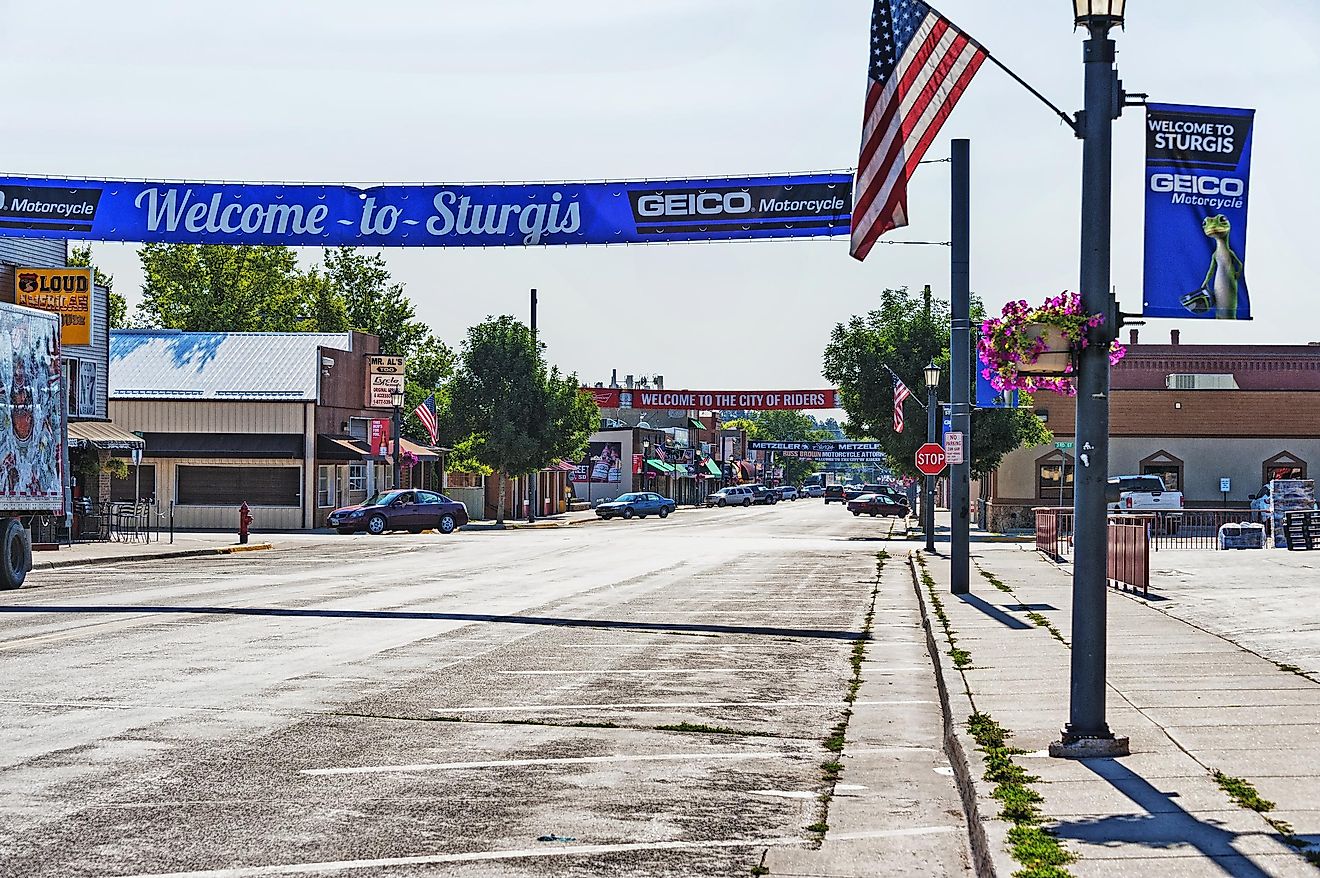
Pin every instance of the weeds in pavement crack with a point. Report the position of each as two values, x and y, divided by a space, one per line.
962 659
702 728
838 735
1036 848
1036 618
1245 795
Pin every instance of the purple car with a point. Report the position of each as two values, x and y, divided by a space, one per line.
413 511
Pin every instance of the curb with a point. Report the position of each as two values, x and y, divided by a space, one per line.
153 556
983 859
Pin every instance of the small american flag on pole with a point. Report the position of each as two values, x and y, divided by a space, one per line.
900 393
920 66
425 413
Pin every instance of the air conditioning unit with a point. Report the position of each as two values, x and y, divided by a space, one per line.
1201 381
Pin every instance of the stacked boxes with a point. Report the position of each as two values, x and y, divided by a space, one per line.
1288 495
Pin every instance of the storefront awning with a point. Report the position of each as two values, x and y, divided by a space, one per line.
102 434
659 465
713 468
344 448
562 466
421 452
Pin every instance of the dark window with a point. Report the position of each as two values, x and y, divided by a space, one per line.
139 485
232 485
1048 486
1170 475
1283 466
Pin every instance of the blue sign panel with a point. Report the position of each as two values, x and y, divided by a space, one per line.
480 215
1198 169
989 398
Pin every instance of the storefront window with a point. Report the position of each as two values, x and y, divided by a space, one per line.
1054 482
1283 466
1170 475
357 477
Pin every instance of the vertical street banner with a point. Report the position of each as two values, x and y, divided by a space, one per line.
380 437
1198 169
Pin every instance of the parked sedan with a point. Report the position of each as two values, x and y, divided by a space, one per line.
640 504
811 491
876 504
413 511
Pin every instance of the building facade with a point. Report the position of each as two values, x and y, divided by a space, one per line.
277 420
1193 414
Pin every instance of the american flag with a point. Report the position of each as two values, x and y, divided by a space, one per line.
425 413
920 66
900 393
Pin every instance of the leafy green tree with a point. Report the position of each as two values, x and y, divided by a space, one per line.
373 302
218 288
81 257
904 334
514 415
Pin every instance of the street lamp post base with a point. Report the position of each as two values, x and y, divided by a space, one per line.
1072 747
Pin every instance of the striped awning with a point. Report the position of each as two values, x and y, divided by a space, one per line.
102 434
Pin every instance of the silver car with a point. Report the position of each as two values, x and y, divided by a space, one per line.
786 492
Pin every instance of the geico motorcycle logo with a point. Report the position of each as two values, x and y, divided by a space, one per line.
1231 187
681 204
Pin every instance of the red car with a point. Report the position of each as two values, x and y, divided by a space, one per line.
876 504
413 511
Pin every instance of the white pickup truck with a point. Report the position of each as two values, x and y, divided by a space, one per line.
1129 495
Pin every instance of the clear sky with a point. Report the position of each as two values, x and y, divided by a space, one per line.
449 91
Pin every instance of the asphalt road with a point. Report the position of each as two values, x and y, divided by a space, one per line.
431 705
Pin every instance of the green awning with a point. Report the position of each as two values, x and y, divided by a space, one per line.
659 465
694 424
713 468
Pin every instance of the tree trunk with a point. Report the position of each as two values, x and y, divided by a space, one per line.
499 506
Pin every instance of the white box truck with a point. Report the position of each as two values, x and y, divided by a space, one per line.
34 445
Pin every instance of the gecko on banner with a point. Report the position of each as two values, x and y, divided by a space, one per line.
1198 168
439 215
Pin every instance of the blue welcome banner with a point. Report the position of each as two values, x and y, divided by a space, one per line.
480 215
1198 170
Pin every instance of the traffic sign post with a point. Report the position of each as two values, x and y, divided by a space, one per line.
931 459
953 448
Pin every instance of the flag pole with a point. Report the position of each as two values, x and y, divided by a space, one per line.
990 56
896 378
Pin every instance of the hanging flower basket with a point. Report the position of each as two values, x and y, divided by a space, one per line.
1053 351
1034 348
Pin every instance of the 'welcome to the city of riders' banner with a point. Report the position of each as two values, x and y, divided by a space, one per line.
1198 171
438 215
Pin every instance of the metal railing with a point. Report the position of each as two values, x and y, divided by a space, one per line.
1054 531
1127 561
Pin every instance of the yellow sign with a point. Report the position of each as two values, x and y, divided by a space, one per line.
64 291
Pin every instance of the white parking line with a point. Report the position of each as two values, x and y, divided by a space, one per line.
664 705
529 853
563 671
564 760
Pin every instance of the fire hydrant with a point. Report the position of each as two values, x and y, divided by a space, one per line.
244 521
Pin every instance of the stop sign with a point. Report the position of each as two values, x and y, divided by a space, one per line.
930 459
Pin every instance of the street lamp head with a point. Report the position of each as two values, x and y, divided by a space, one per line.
1099 13
396 399
932 375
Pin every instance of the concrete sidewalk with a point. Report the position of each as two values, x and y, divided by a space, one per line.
894 809
1191 702
189 544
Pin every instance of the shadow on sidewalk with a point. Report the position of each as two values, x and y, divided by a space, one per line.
549 621
993 612
1165 825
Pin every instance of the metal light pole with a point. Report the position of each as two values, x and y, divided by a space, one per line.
531 505
1087 732
396 398
932 408
960 368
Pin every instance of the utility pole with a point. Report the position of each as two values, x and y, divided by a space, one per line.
1087 733
932 425
960 366
531 494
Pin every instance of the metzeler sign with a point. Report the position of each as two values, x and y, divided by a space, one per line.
690 400
440 215
385 375
63 291
823 450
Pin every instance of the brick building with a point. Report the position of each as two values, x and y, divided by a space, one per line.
1193 414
